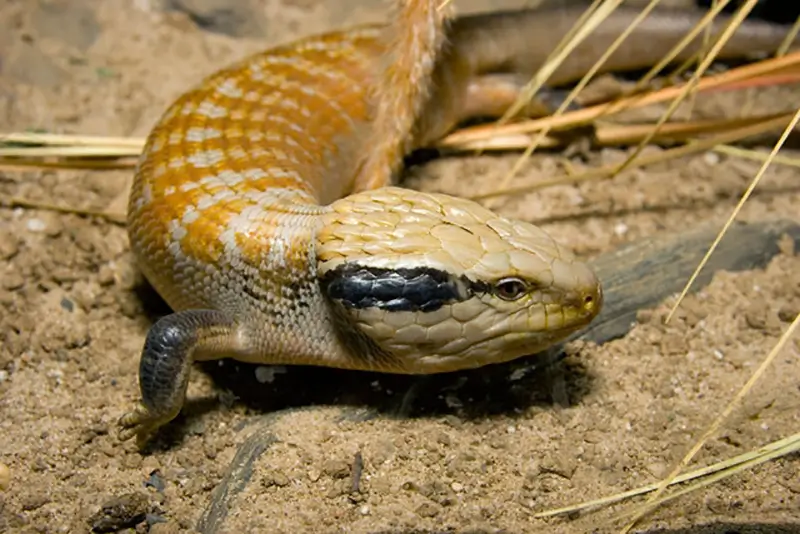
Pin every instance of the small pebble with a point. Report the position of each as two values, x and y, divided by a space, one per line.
35 225
275 478
34 502
124 511
105 275
428 509
5 477
156 481
711 158
13 280
314 474
336 468
67 304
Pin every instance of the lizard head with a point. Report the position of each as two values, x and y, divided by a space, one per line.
424 283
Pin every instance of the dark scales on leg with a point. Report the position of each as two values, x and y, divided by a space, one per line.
171 346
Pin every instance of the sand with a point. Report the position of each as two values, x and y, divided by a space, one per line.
484 452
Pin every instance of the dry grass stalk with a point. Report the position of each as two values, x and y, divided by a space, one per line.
653 501
733 79
607 171
582 29
727 467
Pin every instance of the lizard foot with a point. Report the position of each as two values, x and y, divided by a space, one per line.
142 424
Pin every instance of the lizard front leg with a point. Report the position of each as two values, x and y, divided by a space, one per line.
172 344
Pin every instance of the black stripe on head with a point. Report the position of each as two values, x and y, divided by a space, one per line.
416 289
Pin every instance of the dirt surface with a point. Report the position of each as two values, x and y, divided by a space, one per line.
608 418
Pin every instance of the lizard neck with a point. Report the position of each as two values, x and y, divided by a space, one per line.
281 305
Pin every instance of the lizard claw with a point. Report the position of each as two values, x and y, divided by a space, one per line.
142 424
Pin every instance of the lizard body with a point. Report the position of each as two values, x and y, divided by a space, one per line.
264 212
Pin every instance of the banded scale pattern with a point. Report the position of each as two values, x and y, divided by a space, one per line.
234 168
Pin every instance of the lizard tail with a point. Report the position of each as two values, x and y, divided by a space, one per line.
416 38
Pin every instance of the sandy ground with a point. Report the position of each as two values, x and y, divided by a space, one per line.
480 455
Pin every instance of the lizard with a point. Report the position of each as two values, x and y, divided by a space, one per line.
265 208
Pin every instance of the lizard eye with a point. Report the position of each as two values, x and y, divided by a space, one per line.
510 288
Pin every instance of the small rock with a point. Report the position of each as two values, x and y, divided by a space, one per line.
35 225
673 344
91 432
383 451
156 481
87 238
130 461
755 316
758 316
67 304
314 474
336 468
444 439
275 478
788 312
49 223
40 465
410 485
105 276
13 280
62 274
337 489
561 465
428 509
791 482
69 335
34 502
711 158
210 449
86 295
125 511
644 316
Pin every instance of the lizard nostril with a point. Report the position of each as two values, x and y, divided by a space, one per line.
593 300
